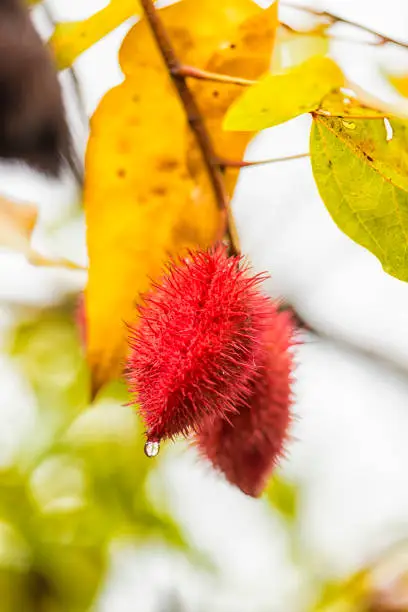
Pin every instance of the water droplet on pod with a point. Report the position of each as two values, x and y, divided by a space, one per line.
152 448
349 125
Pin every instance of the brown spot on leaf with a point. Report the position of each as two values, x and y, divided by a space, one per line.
167 164
159 190
185 233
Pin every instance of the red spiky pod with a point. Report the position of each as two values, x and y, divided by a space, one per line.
247 446
196 348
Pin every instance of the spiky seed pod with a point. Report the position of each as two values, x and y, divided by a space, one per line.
196 348
33 128
247 446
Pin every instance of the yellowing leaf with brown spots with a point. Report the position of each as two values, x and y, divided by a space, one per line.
70 39
147 195
245 52
361 171
140 208
196 29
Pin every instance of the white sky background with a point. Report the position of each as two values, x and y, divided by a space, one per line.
350 452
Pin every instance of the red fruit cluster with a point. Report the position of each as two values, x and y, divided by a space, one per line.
211 354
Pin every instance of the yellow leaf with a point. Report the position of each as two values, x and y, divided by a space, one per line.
246 52
70 39
147 195
279 97
17 222
139 207
400 82
196 31
293 47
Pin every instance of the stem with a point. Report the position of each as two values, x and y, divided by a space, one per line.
349 116
229 163
333 18
343 39
194 117
185 71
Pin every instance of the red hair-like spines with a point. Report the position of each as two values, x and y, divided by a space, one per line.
247 447
196 347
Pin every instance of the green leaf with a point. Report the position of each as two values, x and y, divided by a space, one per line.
364 184
386 153
276 98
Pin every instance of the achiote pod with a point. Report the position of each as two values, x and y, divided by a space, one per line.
212 355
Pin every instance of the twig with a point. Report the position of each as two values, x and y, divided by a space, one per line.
203 75
329 36
332 18
193 114
349 116
192 72
229 163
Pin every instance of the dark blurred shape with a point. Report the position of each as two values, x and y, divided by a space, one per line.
33 127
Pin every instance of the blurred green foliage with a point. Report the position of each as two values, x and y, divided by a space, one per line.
80 480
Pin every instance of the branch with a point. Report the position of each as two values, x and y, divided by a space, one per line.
193 114
203 75
329 36
179 73
332 18
217 77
